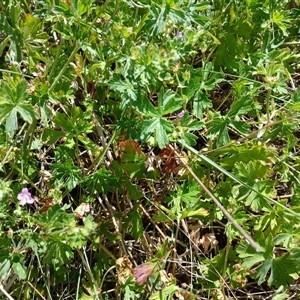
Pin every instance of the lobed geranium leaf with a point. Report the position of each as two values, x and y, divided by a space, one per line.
13 101
168 102
200 103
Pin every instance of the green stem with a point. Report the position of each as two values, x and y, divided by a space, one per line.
108 252
236 179
268 99
225 267
27 178
16 73
77 151
56 60
247 237
85 262
77 47
27 142
115 10
97 161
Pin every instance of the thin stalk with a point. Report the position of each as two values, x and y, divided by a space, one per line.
220 206
27 142
268 100
77 155
58 52
8 296
16 73
78 284
36 290
225 267
108 252
236 179
115 10
44 275
104 276
75 50
27 178
97 161
88 269
5 159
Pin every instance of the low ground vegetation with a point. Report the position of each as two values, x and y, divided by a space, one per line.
149 149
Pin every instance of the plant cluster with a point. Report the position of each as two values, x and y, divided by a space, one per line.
149 149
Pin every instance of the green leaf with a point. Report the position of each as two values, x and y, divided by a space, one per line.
201 212
284 239
157 22
218 130
137 224
200 103
279 269
101 181
11 27
144 107
280 294
234 178
17 260
58 253
63 121
27 112
4 43
160 127
77 123
67 174
240 106
52 135
241 127
20 93
254 173
134 191
164 215
217 265
20 270
165 293
11 124
132 159
190 138
13 98
189 193
245 153
168 102
84 296
263 270
5 265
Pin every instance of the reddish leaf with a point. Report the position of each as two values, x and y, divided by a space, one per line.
47 203
171 165
129 146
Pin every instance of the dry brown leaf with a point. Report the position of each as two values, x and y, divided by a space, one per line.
171 165
124 269
47 204
208 241
82 210
166 278
130 146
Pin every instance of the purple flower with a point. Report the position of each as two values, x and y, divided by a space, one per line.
180 115
73 85
25 197
179 34
142 272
